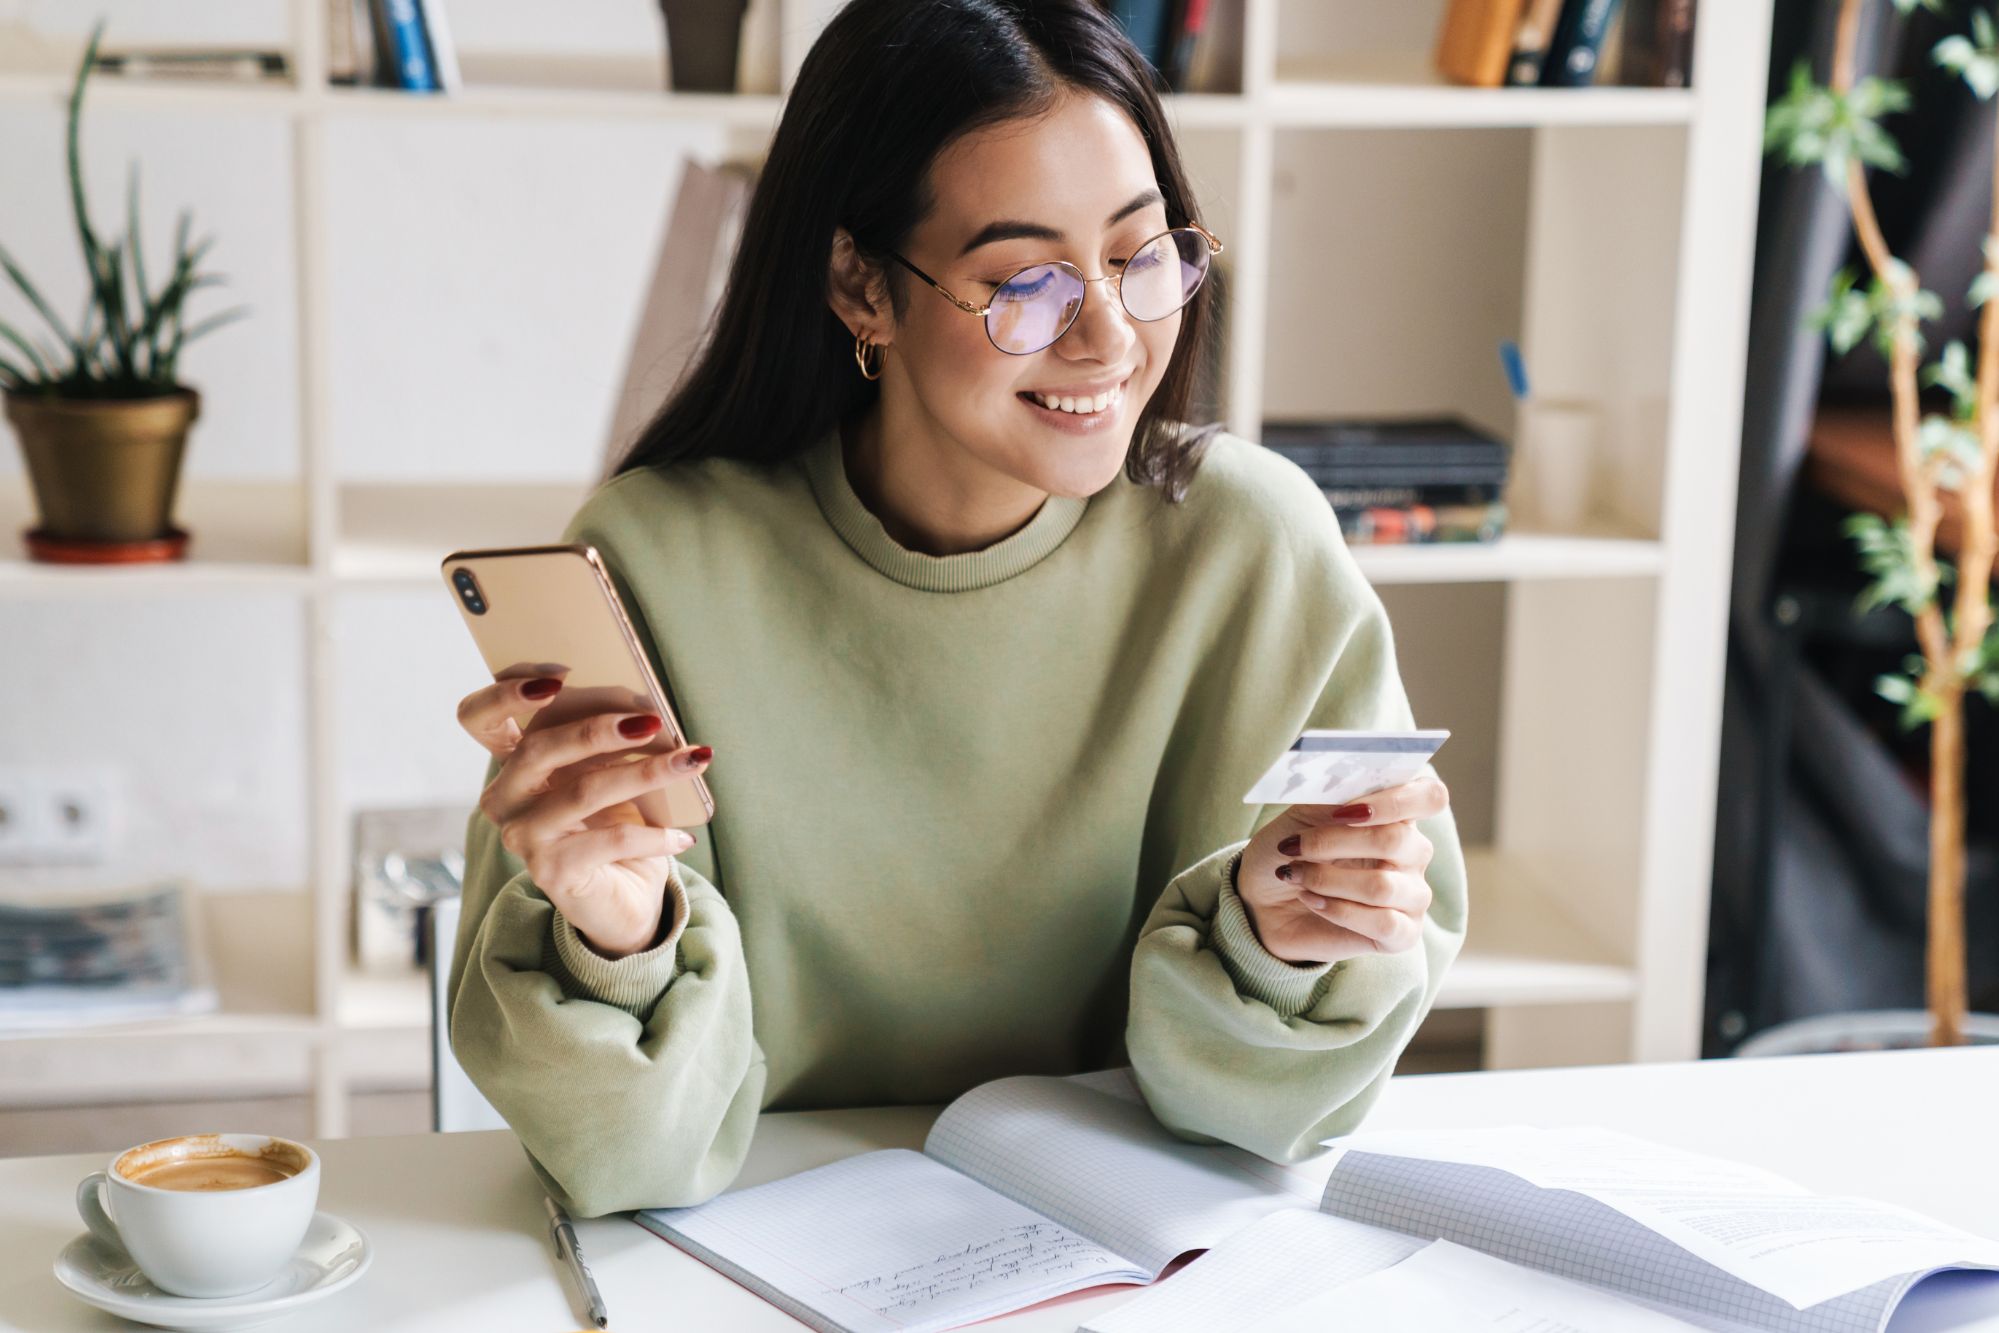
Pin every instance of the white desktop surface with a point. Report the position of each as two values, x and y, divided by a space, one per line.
460 1244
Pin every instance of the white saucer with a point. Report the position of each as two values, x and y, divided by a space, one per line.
333 1255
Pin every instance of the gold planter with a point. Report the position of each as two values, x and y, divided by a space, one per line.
104 471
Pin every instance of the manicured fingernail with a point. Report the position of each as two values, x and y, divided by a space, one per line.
1285 873
682 840
700 754
1357 813
1311 900
639 727
1288 847
688 760
542 688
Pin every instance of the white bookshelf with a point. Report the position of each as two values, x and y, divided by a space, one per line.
1589 902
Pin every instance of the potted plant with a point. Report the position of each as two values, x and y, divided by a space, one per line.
1836 127
101 414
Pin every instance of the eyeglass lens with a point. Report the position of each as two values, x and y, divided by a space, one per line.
1037 305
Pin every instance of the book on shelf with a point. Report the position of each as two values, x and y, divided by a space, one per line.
71 958
194 63
695 253
1531 36
1390 451
1030 1188
1476 40
1419 524
1174 36
1657 45
1396 481
1577 46
392 44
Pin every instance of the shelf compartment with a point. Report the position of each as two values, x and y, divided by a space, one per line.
259 1041
1515 557
399 533
1523 950
1401 90
244 533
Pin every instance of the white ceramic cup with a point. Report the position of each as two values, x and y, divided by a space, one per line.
1557 454
203 1242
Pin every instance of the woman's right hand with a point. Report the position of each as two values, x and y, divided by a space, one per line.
563 801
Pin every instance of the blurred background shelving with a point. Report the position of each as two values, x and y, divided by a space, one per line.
443 291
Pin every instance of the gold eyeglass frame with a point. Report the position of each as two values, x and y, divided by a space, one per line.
1115 279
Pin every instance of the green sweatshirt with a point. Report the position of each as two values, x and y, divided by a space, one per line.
977 815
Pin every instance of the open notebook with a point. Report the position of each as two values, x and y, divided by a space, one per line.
1029 1188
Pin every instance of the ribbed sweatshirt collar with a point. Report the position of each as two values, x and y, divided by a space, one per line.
826 469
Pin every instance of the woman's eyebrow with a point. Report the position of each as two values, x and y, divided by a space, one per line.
1009 229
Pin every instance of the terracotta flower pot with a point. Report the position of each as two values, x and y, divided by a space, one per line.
104 471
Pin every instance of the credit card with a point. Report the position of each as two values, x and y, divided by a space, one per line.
1334 767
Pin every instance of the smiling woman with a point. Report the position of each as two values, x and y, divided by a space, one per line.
983 642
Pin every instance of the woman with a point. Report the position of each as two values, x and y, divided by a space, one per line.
987 645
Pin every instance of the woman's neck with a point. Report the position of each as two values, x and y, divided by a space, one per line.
931 495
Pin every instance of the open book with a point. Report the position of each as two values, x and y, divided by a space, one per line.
1029 1188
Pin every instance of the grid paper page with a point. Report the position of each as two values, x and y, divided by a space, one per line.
886 1241
1103 1167
1566 1233
1282 1261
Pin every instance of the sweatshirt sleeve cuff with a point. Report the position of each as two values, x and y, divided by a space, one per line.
633 983
1289 988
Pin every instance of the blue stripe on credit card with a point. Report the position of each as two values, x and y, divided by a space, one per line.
1352 744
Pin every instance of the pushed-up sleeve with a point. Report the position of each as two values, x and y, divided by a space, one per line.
1233 1044
632 1083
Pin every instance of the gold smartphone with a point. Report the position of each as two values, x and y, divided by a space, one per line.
553 611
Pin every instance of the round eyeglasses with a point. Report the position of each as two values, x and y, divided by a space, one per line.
1036 306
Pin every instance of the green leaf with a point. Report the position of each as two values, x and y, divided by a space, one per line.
214 322
1976 58
1952 370
1812 123
28 350
1911 6
1887 554
35 298
1924 707
1952 441
1895 689
1982 289
1889 308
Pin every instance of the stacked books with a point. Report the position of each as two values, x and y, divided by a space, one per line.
1566 43
1417 479
74 959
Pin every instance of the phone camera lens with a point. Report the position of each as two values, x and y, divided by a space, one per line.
468 591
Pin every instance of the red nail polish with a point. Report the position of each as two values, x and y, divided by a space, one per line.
1284 873
700 754
541 688
1289 847
640 727
1357 813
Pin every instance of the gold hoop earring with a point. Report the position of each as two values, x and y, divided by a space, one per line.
861 349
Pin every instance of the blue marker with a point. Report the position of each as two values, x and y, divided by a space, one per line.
1516 369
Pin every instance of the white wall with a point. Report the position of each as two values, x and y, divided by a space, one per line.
486 275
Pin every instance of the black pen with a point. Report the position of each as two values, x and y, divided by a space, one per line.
566 1249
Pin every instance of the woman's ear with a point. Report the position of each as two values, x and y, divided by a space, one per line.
856 291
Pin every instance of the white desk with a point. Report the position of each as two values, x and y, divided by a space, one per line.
457 1225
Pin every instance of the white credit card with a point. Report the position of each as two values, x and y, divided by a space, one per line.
1334 767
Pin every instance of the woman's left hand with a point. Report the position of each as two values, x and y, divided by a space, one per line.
1323 883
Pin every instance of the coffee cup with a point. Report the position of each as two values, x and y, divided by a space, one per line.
205 1214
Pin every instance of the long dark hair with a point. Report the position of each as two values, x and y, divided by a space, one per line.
888 86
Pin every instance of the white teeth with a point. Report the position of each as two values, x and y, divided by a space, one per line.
1083 406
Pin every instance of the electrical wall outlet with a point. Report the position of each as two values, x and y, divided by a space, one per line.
71 814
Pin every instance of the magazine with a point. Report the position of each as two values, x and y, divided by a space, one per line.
75 958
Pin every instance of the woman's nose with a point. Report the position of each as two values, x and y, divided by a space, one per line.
1103 328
